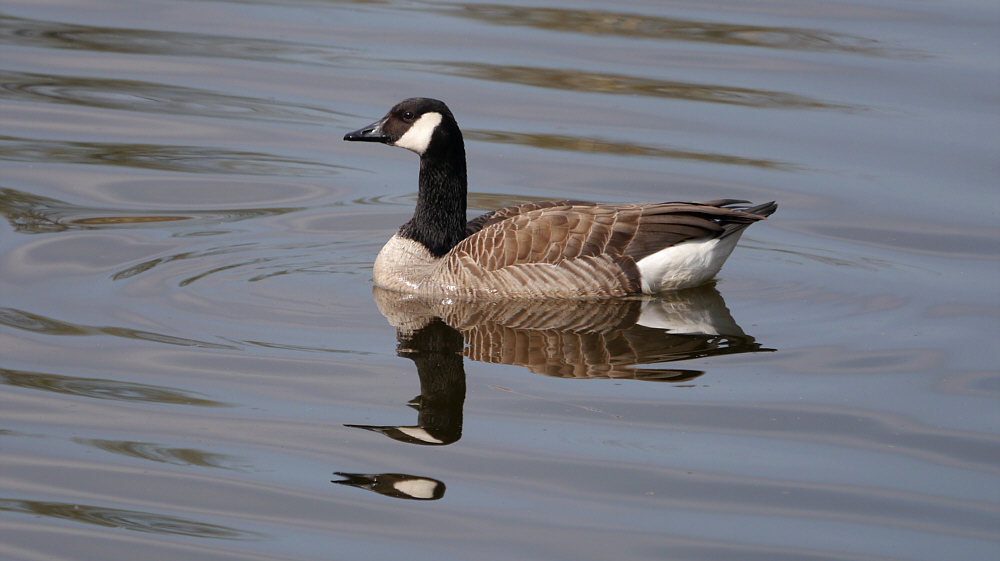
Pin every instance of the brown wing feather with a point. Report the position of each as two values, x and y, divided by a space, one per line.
499 215
546 232
549 232
556 243
664 225
545 241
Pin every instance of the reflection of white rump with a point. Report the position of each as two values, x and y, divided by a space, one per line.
689 311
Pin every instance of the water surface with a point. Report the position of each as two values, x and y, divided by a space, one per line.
195 364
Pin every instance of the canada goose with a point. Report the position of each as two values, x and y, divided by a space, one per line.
554 249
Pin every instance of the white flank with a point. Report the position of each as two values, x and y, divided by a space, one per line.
420 434
419 135
417 488
685 265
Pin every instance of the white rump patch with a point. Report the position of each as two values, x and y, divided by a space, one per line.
417 488
685 265
419 135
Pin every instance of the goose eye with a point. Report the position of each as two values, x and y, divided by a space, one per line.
408 115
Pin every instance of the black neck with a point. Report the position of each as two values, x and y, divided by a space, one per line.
439 219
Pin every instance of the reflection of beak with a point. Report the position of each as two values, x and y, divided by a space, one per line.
371 133
395 485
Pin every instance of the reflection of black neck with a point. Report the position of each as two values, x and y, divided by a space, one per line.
437 352
436 349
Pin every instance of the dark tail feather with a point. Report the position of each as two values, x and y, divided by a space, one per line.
766 209
759 212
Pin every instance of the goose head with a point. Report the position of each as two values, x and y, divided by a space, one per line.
427 127
422 125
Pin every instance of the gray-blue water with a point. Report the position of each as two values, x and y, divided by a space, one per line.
192 351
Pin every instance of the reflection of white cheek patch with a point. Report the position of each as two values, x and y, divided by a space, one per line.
417 488
419 434
419 135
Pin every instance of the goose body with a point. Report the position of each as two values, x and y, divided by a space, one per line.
552 249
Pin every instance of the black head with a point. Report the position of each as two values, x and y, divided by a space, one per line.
420 124
427 127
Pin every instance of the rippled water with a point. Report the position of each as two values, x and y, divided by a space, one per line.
195 364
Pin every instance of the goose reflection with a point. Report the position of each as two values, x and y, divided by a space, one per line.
608 339
436 349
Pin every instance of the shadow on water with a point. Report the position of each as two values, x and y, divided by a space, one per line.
261 268
569 143
605 83
606 339
134 520
911 235
30 32
633 26
55 35
34 214
27 321
164 454
186 159
104 388
151 97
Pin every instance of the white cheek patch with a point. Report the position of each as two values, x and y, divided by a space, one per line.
419 135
